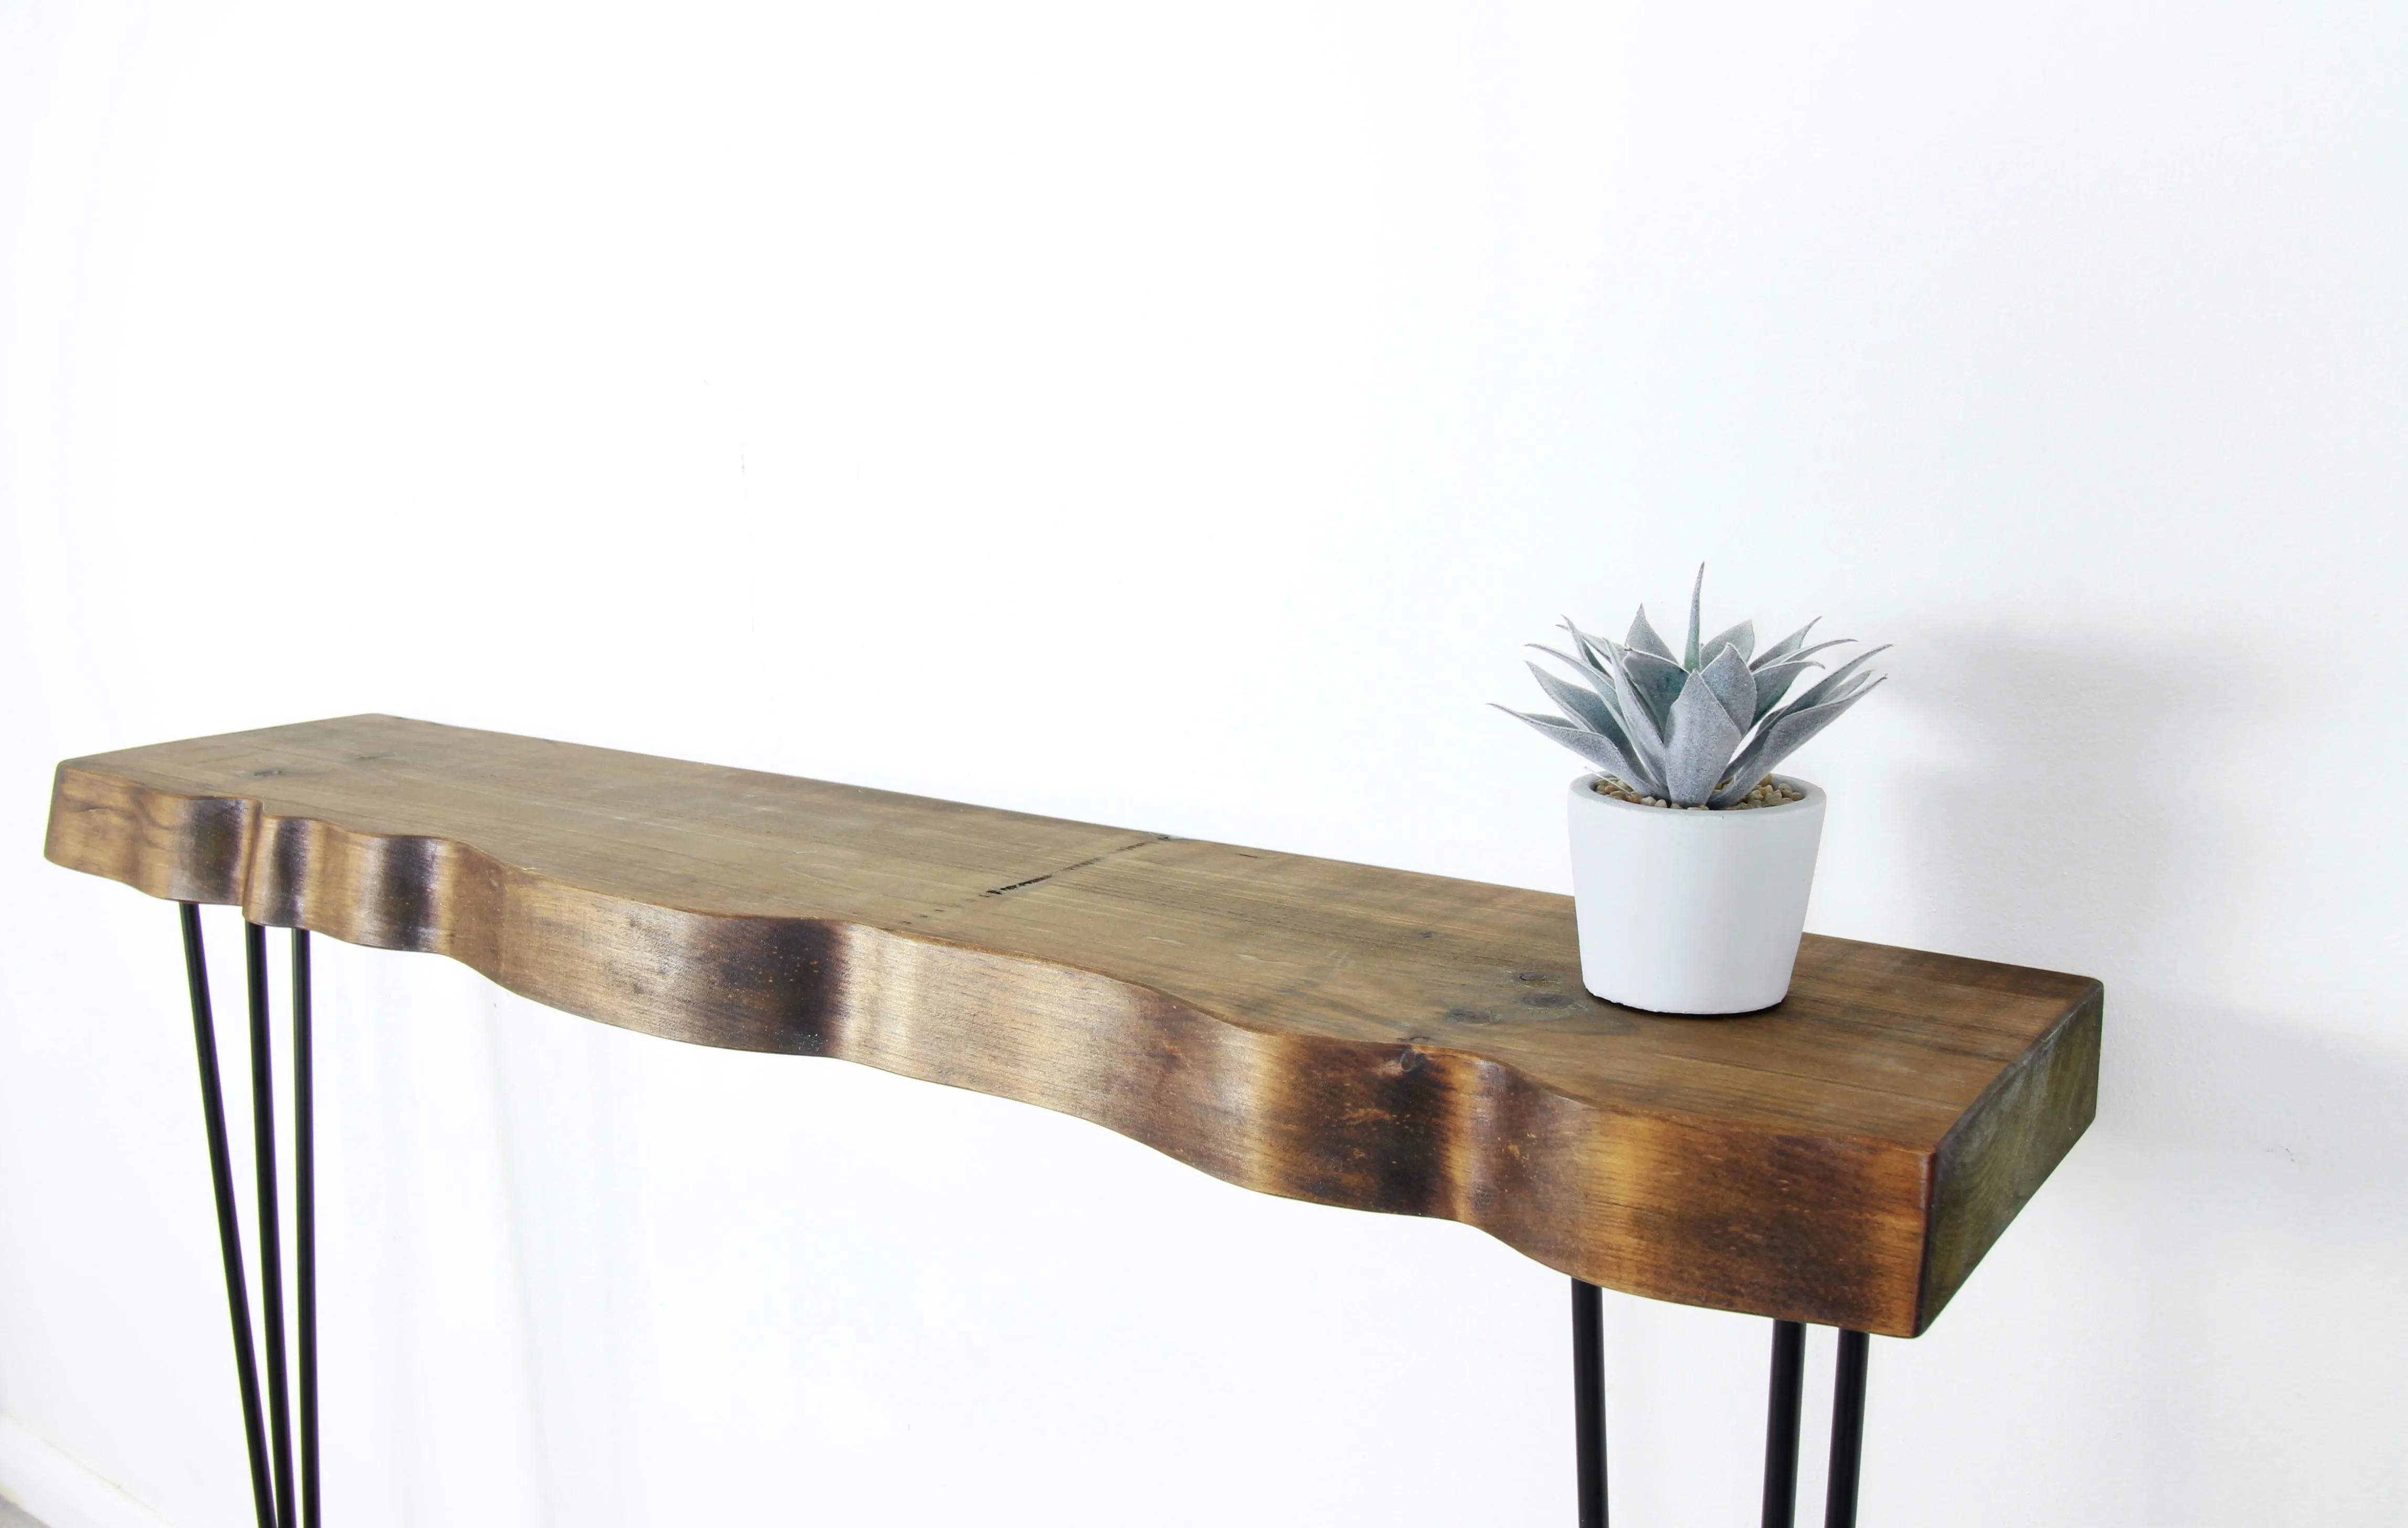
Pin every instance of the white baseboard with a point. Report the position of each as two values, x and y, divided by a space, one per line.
59 1491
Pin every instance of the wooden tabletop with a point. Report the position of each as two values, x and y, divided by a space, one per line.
1335 1033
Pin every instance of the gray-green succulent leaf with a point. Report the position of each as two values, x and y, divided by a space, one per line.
1787 647
1742 636
1834 681
1646 733
1804 652
1577 702
1703 729
1698 754
1643 638
1734 685
1773 682
1595 649
1593 747
1599 682
1785 735
1697 608
1658 682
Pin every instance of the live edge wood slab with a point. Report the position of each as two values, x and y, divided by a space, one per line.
1335 1033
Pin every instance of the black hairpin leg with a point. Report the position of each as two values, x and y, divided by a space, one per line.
229 1232
1847 1431
1781 1424
268 1430
271 1239
1589 1398
305 1224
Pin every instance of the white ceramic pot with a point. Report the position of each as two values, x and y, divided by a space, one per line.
1691 911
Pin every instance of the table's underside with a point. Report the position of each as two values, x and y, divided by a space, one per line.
1355 1036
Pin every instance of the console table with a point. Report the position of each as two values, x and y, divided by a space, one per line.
1354 1036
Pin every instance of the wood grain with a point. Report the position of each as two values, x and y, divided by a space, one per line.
1335 1033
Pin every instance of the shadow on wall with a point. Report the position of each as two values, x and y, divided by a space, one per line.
2058 834
2078 824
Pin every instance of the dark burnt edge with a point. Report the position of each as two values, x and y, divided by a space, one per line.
1410 1183
220 827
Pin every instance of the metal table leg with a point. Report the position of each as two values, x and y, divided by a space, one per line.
245 1361
1781 1424
268 1431
1847 1431
1588 1398
271 1240
304 1223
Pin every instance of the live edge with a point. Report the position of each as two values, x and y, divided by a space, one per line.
1351 1035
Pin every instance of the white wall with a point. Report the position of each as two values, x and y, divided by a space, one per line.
1177 417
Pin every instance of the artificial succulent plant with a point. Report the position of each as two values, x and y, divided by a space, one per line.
1699 729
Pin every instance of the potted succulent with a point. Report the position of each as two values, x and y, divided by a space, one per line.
1691 860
